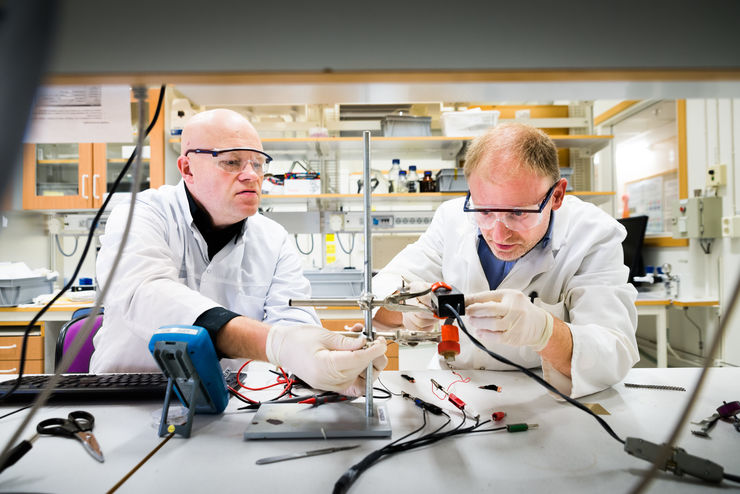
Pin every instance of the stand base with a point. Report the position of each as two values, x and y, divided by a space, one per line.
302 421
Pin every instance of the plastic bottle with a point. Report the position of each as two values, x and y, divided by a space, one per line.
412 179
402 181
427 183
393 176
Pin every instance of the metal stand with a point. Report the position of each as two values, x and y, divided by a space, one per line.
290 420
182 429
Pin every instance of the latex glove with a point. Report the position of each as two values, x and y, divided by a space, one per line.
512 315
419 321
322 358
358 387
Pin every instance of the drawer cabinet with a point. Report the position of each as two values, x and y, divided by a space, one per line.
11 342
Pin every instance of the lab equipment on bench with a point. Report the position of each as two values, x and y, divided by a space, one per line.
91 387
304 454
345 419
188 359
78 425
442 296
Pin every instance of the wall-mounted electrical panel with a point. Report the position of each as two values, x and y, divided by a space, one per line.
716 175
406 221
698 217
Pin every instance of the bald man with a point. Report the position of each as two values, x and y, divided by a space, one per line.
200 254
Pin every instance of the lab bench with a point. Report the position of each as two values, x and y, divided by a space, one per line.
568 451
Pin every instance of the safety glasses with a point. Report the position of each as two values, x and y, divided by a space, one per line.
514 218
236 160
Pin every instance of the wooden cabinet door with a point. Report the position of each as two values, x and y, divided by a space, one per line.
110 159
57 176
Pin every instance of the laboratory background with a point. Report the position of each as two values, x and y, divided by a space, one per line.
642 100
637 143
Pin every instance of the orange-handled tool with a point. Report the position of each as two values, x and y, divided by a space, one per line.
442 296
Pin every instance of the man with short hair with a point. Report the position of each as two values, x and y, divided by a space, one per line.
199 253
542 273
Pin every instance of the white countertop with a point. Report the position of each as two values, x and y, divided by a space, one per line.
568 452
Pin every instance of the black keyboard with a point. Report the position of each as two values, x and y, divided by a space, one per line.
94 387
91 387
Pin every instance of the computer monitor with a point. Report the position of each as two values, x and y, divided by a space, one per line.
632 244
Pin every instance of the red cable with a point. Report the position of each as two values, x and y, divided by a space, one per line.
461 380
435 393
284 381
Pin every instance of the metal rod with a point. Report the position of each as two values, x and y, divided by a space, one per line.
366 192
324 302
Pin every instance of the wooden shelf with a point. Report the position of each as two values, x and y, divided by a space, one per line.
59 162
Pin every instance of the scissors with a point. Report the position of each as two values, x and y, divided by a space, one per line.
78 424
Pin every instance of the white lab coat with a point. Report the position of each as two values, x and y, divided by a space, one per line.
165 277
579 277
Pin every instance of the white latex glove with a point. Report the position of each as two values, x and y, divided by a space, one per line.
512 315
358 388
324 359
419 321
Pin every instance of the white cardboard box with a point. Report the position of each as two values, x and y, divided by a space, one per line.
468 123
302 186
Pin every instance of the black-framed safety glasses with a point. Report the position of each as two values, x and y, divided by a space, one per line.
235 160
517 219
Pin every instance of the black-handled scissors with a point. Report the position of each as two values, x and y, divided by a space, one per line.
79 425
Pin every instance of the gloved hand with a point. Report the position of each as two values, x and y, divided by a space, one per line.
358 387
322 358
511 314
419 321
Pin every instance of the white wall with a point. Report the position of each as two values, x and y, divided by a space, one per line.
713 136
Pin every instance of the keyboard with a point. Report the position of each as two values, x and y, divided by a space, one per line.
94 387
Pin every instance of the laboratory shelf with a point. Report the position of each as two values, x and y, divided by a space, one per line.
446 147
421 197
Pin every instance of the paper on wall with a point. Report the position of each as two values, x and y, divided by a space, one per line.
99 113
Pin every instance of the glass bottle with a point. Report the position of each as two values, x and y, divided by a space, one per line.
402 181
427 183
393 176
412 179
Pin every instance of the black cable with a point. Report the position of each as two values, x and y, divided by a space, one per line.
686 314
386 388
349 477
385 396
708 248
534 376
90 236
15 411
734 478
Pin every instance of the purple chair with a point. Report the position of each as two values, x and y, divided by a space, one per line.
81 363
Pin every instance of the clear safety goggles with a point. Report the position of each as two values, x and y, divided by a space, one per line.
236 160
518 219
